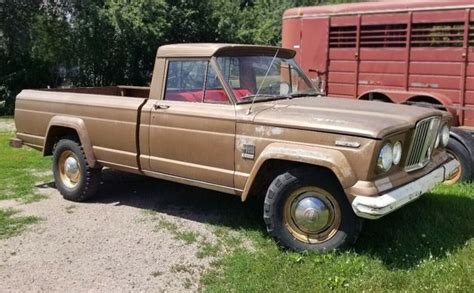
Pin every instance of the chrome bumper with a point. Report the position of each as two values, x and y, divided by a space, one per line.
377 207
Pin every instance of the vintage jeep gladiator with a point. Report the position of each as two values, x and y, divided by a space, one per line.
244 120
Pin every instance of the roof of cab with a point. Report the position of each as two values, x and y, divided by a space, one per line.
379 6
216 49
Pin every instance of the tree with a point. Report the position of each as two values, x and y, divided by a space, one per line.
106 42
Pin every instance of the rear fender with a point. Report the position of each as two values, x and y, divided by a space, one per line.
333 160
76 124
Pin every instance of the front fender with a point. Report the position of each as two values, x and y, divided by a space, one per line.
79 126
331 159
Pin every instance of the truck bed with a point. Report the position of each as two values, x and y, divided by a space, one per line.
110 116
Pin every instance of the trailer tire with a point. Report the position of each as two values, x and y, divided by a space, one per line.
457 151
307 212
74 178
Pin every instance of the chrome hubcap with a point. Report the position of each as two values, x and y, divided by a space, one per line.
71 168
310 213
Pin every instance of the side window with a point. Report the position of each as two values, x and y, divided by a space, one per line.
230 70
215 92
185 80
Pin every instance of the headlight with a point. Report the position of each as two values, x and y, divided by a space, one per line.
397 153
385 160
444 135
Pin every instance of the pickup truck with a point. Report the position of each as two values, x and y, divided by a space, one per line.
245 120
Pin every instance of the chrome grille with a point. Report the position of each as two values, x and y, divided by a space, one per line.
422 143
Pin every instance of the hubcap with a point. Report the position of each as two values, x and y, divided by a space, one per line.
312 215
69 169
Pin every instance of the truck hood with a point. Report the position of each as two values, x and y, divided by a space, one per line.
336 115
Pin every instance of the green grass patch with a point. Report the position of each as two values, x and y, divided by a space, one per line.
11 225
21 170
187 236
427 245
208 249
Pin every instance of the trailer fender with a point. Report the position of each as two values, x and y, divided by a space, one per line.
331 159
58 123
402 97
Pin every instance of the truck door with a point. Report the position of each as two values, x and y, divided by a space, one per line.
192 129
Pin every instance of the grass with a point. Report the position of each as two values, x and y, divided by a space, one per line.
11 225
426 246
187 236
21 170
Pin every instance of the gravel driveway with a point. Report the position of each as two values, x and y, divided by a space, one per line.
122 240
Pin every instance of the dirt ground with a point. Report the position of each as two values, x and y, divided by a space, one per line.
122 240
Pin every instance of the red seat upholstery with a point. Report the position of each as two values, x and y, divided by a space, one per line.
217 96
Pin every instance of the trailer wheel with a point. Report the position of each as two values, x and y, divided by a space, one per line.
73 177
304 213
457 151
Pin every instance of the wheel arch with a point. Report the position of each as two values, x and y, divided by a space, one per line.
278 157
376 95
61 126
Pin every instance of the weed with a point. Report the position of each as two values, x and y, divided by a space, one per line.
11 225
187 236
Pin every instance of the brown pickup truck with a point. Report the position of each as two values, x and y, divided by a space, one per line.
245 120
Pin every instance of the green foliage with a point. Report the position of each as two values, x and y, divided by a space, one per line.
107 42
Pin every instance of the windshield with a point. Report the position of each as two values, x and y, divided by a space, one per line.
264 78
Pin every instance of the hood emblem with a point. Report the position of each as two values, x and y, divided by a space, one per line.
349 144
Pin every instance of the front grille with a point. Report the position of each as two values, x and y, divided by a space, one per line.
422 143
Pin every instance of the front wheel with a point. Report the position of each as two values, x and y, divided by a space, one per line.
307 210
73 177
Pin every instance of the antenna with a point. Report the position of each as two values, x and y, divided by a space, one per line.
263 81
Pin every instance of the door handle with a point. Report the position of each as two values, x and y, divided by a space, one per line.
162 107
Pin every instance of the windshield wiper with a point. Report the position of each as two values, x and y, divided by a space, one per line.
265 97
299 95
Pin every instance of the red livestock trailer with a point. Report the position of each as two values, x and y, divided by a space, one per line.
413 52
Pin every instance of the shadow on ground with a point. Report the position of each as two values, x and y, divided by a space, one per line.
430 228
178 200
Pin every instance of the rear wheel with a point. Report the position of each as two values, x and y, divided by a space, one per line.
306 211
74 179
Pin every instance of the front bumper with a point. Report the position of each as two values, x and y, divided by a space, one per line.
377 207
